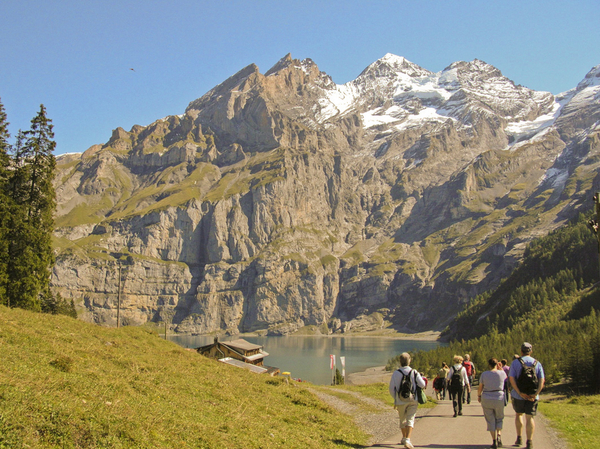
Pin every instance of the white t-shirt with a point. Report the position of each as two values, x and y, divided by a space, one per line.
463 374
396 380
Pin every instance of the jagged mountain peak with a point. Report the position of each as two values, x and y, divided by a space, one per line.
591 79
306 67
226 86
392 65
287 61
475 72
282 64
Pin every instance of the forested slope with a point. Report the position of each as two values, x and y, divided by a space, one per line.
554 269
551 300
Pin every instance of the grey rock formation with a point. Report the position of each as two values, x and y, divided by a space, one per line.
284 200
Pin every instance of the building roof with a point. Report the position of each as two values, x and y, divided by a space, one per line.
254 357
240 343
240 364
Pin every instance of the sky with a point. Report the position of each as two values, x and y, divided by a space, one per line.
76 56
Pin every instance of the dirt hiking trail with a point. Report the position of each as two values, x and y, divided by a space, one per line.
438 429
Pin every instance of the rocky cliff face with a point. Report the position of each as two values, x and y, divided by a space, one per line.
283 200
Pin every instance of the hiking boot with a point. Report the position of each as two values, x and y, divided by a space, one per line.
402 441
499 441
494 445
519 441
460 413
529 444
454 414
408 444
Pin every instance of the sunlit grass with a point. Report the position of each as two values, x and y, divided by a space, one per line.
577 419
69 384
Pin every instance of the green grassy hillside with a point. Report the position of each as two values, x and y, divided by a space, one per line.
69 384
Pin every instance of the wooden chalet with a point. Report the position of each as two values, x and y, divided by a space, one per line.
239 353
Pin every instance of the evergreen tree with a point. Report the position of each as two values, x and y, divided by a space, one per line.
4 203
55 304
31 219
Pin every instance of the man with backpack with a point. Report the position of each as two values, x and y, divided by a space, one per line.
457 383
470 367
403 388
526 376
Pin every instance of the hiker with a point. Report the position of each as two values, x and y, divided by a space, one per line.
457 383
490 395
470 367
506 369
403 388
526 378
505 366
439 383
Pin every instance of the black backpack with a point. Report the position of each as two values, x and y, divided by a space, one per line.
405 385
456 379
528 381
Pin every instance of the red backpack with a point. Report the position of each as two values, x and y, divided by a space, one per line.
469 367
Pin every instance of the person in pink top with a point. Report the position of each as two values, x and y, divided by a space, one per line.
506 369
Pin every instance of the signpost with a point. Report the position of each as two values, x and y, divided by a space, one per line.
332 366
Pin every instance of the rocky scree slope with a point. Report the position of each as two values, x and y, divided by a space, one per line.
283 200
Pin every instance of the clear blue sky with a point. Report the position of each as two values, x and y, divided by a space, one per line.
75 56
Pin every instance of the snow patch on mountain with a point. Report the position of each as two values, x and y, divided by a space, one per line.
336 101
529 129
556 176
424 115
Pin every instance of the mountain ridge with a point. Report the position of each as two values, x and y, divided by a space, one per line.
284 200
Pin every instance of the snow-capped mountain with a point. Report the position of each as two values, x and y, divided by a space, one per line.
282 200
397 92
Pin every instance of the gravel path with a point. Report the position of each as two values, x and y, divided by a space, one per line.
435 427
374 417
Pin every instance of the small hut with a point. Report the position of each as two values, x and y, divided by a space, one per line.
240 350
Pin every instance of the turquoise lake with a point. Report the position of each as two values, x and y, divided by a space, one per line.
307 357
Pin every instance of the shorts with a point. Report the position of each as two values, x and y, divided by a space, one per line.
407 412
521 406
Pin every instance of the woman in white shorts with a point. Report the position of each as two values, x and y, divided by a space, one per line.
406 407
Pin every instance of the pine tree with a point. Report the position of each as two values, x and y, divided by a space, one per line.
4 203
34 201
39 148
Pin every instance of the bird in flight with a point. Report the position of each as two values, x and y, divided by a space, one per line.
132 69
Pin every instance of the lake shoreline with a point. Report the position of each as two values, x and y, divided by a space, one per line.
308 357
376 374
424 336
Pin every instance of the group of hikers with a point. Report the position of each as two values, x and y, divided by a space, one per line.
523 380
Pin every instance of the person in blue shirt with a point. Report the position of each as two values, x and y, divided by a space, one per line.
524 403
